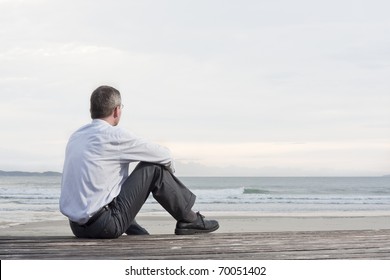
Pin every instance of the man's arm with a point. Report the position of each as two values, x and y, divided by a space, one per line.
140 149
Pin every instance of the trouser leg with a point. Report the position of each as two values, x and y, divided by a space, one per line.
169 192
146 178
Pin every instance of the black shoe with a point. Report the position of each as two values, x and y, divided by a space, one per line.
199 226
136 229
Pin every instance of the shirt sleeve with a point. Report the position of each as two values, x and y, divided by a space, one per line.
133 148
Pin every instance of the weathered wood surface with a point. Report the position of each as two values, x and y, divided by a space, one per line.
362 244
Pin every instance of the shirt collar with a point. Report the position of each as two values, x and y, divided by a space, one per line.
99 121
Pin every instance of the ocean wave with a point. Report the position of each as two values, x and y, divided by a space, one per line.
255 191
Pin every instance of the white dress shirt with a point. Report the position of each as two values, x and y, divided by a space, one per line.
96 165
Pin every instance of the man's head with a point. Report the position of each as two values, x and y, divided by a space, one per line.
106 104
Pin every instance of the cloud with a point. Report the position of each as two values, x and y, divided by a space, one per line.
222 82
289 159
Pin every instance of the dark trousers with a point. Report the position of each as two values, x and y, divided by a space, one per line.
146 178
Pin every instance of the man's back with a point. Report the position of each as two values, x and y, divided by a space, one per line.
93 171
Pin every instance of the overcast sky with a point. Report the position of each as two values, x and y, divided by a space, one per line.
266 88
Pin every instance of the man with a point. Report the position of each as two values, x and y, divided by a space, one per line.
98 195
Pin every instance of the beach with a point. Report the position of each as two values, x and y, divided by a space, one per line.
230 222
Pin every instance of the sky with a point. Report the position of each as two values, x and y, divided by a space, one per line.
232 87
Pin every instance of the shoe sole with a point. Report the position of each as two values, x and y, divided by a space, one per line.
180 231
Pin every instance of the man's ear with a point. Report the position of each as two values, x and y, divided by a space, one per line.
116 112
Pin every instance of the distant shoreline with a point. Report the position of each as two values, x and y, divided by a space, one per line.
23 173
54 173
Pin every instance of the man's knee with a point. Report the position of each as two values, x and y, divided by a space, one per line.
149 165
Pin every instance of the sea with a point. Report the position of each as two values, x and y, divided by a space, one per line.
26 199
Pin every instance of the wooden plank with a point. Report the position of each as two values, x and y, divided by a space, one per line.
367 244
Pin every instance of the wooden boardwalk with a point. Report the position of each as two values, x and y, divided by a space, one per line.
361 244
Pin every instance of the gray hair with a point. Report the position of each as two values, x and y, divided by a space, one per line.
104 99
